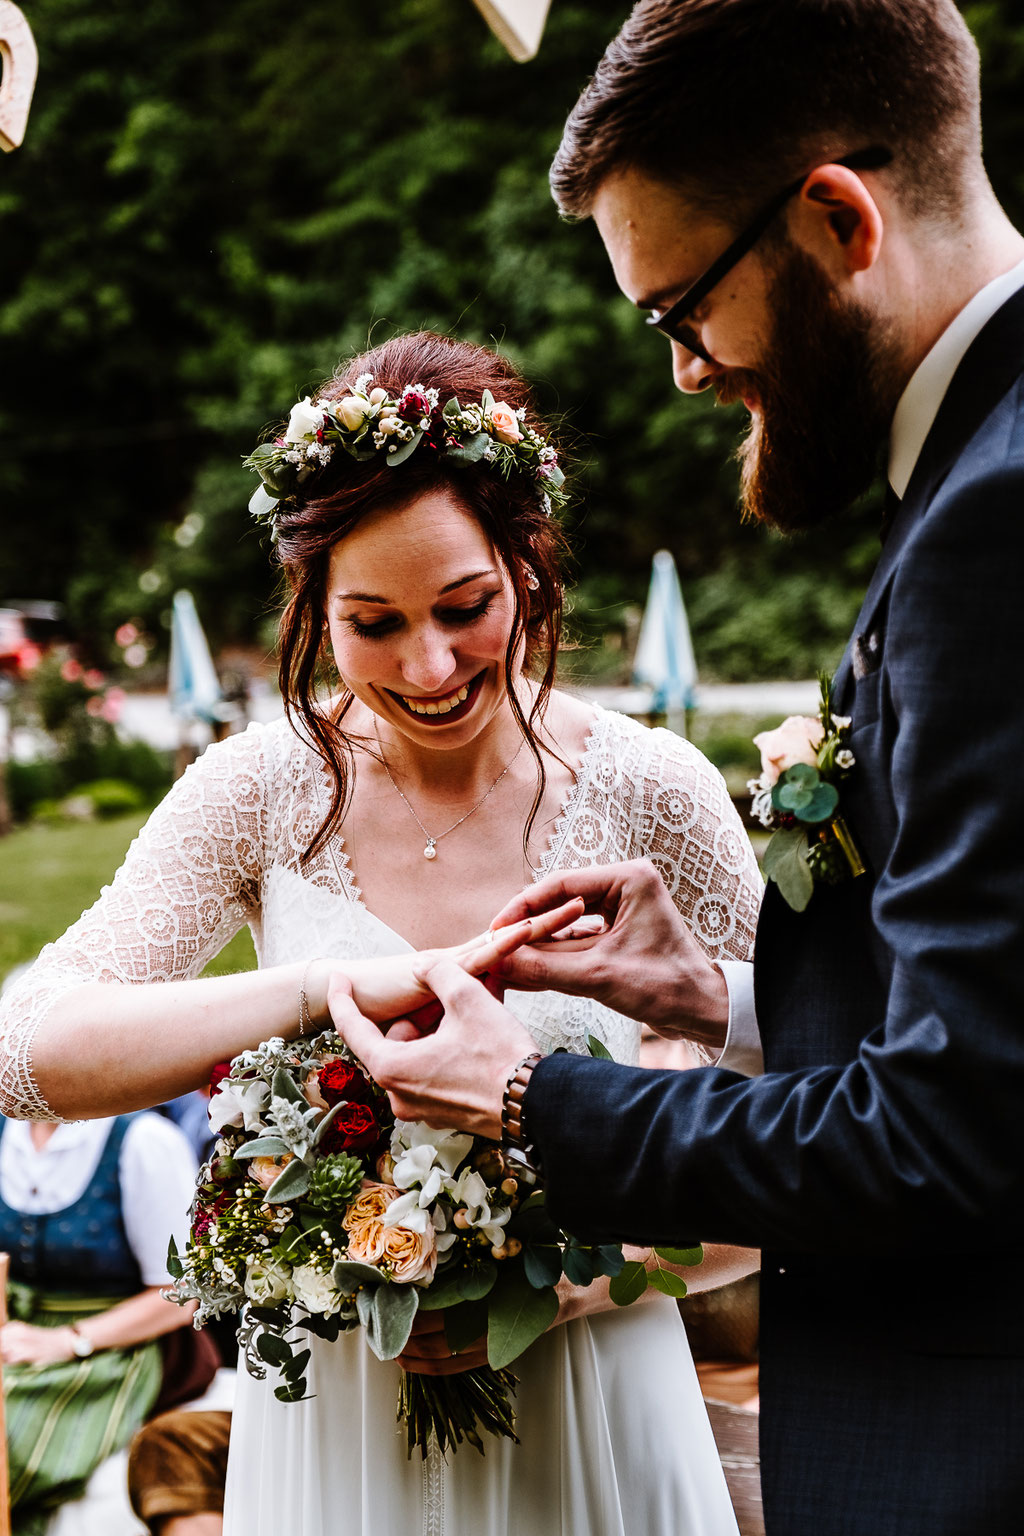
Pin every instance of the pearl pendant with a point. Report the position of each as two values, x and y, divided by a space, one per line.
430 851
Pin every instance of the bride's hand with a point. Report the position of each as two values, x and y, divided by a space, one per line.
427 1352
389 988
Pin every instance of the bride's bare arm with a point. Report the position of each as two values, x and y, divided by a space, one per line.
105 1048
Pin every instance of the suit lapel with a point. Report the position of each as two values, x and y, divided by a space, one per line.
989 367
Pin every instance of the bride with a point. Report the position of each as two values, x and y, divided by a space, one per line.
443 773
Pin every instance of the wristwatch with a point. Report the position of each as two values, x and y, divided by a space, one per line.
82 1345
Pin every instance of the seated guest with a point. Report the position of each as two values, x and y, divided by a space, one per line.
86 1212
176 1473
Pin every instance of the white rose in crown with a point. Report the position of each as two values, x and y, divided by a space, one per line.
796 740
305 421
351 412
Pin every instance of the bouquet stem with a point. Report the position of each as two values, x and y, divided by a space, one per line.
457 1408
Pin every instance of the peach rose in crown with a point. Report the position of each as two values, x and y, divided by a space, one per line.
505 423
412 1255
796 740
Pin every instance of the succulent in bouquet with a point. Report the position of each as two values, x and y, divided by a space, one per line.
319 1212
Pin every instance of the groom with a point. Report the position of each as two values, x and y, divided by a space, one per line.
795 190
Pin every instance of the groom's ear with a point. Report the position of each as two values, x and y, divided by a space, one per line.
837 220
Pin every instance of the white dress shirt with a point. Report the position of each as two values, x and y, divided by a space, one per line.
157 1170
912 421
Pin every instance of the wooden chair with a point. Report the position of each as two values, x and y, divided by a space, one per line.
735 1431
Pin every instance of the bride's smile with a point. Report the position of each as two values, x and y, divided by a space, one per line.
420 611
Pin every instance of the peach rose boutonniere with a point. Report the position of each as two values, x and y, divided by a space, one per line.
803 763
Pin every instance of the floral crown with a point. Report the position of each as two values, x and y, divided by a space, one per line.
367 422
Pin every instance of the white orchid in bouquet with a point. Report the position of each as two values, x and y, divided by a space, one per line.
320 1212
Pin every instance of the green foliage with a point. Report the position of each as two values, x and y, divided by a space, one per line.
203 218
112 797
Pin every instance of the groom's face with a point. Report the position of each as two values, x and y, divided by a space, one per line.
815 369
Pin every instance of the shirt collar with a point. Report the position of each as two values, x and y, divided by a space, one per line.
920 401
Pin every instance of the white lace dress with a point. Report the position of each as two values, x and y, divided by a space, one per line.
615 1440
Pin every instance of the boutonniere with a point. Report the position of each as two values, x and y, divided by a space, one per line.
804 762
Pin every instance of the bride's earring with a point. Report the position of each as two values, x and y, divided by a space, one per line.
532 584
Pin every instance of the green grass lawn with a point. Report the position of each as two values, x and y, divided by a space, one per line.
49 875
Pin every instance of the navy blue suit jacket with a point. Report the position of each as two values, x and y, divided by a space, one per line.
879 1162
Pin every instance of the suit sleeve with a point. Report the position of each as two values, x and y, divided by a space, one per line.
917 1140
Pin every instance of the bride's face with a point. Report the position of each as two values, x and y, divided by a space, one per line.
420 609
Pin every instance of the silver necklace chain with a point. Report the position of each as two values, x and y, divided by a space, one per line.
430 851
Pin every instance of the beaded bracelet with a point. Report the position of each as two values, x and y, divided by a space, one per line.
512 1139
305 1018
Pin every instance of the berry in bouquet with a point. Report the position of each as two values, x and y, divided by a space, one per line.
319 1212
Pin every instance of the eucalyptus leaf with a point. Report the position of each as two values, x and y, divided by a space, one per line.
392 1314
272 1348
667 1283
694 1255
608 1259
263 1146
578 1266
542 1264
629 1284
598 1049
517 1315
261 503
291 1393
296 1366
291 1183
464 1325
446 1292
403 451
174 1264
785 862
479 1282
470 451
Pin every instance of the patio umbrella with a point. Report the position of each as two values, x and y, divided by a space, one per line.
664 659
195 692
519 24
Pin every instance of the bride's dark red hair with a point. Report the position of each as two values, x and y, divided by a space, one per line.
510 512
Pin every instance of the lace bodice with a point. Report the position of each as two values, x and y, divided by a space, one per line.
224 849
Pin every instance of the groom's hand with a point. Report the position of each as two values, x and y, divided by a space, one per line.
453 1077
638 957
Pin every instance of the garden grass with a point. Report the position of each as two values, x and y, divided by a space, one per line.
49 875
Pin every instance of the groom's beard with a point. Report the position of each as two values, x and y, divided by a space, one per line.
825 398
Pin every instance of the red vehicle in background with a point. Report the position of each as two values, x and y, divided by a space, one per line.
27 630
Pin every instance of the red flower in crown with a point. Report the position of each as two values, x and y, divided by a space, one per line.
413 405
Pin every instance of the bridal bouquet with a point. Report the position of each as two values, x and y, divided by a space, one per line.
320 1212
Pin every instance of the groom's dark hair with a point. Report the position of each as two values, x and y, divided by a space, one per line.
732 99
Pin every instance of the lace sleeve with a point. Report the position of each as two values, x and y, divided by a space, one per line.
188 883
658 798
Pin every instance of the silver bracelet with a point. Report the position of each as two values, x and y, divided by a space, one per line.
306 1026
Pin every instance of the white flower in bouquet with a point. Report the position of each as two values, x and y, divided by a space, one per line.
316 1291
239 1105
267 1282
416 1149
471 1191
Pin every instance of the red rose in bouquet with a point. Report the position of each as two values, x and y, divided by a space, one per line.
354 1128
340 1082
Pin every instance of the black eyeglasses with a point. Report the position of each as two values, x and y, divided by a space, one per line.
674 320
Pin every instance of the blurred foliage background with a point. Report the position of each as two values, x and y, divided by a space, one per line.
214 203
